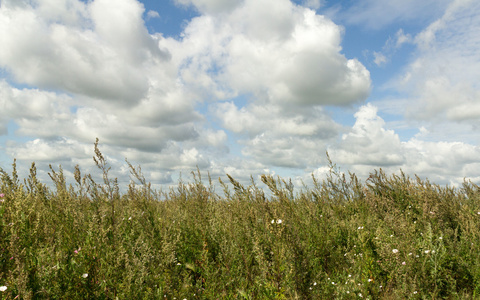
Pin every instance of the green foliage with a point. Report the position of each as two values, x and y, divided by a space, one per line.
389 238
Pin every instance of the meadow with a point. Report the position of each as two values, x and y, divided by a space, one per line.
389 237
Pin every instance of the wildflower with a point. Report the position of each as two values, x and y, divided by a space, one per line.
415 292
349 275
348 292
410 253
427 251
3 288
370 279
85 275
404 263
361 227
360 295
273 221
333 283
478 213
395 251
279 221
314 283
2 195
391 235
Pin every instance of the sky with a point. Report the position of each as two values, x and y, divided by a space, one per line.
242 87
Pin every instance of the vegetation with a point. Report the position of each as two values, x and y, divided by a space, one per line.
390 237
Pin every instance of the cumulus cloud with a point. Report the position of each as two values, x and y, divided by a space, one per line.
275 136
369 145
77 47
442 78
241 91
284 52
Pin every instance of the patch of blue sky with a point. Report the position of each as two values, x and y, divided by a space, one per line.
171 19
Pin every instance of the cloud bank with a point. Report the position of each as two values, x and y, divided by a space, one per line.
245 89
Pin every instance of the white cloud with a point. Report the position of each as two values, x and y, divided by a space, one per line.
90 69
285 53
275 136
79 56
151 14
370 145
211 6
442 78
376 14
402 38
380 59
313 4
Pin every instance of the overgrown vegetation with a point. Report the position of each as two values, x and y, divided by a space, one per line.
391 237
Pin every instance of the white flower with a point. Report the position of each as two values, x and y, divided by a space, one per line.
361 227
3 288
427 251
314 283
85 275
478 213
369 279
279 221
349 275
360 295
395 251
273 221
415 292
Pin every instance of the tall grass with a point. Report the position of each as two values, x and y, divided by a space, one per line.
391 237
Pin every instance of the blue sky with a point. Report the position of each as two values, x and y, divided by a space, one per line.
243 87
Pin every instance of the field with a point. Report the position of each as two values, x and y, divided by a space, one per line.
390 237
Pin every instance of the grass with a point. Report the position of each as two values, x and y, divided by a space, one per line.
391 237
